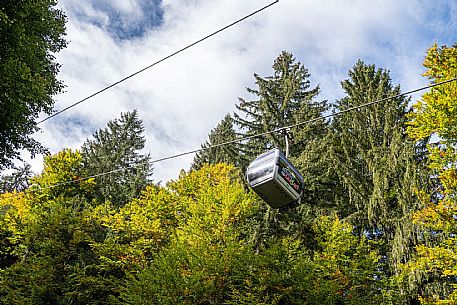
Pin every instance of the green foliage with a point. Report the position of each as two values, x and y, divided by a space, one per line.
376 162
435 259
54 245
228 154
352 261
185 243
435 114
31 32
14 216
47 233
212 200
342 270
136 232
283 99
208 261
61 176
282 273
194 268
117 149
204 239
324 192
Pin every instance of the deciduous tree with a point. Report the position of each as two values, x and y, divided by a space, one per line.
196 267
435 114
47 234
31 32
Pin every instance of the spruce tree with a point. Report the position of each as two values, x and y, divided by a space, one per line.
282 99
117 148
375 161
222 133
285 98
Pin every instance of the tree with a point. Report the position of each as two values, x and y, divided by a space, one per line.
59 246
135 233
435 114
47 232
31 32
116 149
18 180
228 154
195 267
283 99
349 261
14 214
209 260
185 243
376 162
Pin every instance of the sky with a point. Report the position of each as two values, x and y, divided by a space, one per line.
181 99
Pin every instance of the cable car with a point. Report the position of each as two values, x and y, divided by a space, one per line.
275 179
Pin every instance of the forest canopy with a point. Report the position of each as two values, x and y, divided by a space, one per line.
376 223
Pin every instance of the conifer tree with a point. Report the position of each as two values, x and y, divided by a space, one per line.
117 148
375 161
228 154
284 98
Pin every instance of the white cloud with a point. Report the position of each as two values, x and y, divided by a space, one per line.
181 99
127 7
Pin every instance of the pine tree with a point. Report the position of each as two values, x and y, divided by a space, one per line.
117 148
282 99
375 161
228 154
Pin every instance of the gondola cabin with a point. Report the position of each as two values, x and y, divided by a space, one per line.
275 179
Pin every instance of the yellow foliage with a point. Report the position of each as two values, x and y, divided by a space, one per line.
200 208
15 201
139 229
61 176
436 114
211 200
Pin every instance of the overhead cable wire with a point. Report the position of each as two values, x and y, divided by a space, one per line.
157 62
253 136
303 123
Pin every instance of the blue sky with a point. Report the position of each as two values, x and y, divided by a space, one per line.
181 99
122 20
